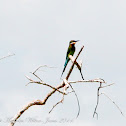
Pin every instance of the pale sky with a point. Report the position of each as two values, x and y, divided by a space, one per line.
38 33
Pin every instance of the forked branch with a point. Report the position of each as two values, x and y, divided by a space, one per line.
64 84
39 102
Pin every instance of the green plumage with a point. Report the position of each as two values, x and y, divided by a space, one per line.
70 51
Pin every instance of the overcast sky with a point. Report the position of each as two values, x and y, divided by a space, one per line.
38 33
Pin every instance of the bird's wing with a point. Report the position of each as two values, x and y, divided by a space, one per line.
68 51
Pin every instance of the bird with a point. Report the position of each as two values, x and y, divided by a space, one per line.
70 51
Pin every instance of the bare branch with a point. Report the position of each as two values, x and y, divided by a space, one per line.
73 59
77 100
97 101
43 83
64 81
108 85
42 66
78 66
61 101
7 56
65 84
34 73
36 102
99 95
39 102
83 81
114 104
37 76
74 63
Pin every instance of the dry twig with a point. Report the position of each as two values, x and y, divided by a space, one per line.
41 67
7 56
39 102
114 104
65 84
43 83
98 94
61 101
77 64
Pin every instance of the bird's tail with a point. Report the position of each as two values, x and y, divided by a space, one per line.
81 74
66 62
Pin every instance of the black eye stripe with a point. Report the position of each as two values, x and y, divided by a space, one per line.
73 41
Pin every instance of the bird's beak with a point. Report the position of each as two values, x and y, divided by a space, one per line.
75 42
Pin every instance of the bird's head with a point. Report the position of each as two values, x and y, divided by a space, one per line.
73 41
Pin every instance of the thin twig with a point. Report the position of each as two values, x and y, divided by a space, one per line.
77 64
37 76
70 92
61 101
108 85
43 83
95 111
65 88
77 101
38 69
97 101
66 84
83 81
42 66
114 104
7 56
